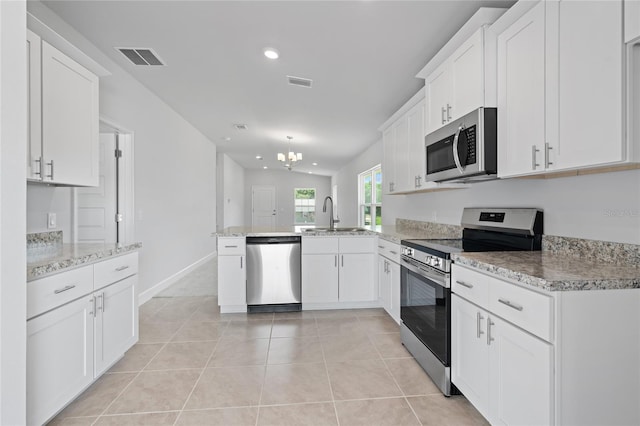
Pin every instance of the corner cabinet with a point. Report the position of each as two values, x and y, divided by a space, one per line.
339 272
80 323
560 87
63 118
232 274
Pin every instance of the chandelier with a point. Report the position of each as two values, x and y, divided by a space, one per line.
291 157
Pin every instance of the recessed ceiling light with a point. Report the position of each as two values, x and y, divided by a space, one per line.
271 53
258 157
310 173
265 167
314 164
225 138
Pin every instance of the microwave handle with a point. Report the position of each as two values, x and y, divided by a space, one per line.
456 158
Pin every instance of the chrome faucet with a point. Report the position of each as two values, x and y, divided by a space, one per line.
332 221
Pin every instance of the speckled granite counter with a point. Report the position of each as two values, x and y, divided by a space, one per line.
48 260
552 272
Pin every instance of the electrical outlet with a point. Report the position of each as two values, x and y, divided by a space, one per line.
51 221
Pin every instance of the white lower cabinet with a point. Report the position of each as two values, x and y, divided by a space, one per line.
504 371
232 274
71 344
389 286
339 270
59 358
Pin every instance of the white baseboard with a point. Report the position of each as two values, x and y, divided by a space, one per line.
340 305
162 285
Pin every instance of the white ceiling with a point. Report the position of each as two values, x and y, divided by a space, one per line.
361 55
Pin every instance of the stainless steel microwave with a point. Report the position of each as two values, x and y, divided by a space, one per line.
465 150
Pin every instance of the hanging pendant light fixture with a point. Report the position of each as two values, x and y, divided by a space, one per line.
291 157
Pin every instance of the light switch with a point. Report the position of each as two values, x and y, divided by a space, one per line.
51 221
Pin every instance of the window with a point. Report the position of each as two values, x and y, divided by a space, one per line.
370 197
305 205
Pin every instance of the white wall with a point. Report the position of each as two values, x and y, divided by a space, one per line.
285 183
601 206
347 181
13 139
174 168
230 203
43 199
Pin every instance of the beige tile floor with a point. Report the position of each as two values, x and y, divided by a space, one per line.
195 366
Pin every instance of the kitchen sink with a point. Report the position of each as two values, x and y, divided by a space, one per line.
334 230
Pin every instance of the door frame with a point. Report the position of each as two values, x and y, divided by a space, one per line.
275 203
126 233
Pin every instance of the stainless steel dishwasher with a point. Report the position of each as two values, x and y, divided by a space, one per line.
273 274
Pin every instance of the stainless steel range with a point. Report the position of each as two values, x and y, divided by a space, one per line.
425 301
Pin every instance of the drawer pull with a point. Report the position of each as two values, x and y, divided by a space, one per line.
63 289
230 246
463 284
393 252
122 268
381 247
479 318
511 304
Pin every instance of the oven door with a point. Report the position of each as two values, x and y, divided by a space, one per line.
425 306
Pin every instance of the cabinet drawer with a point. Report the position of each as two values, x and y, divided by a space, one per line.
319 245
47 293
527 309
358 245
231 246
471 285
389 250
116 269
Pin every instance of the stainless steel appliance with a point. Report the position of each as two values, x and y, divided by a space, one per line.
273 274
464 150
425 280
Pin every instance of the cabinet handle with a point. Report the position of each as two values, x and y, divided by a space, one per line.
442 115
335 261
489 324
534 163
381 247
386 267
393 252
342 260
51 175
100 304
230 246
463 284
39 168
419 178
241 262
448 112
104 302
546 155
511 304
93 307
122 268
63 289
479 318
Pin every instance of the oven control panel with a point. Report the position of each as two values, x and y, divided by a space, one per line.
424 258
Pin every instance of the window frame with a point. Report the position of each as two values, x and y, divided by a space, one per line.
375 202
295 205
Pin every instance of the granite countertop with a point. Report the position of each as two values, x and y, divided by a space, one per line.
552 271
48 260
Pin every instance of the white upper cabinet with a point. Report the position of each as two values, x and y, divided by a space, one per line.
560 87
63 117
388 160
456 87
415 149
631 20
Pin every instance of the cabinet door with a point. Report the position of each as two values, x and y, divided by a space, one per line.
232 281
521 370
631 20
384 284
116 324
590 84
69 120
401 138
59 358
394 280
521 94
320 278
34 100
358 278
388 165
438 91
470 353
467 76
416 154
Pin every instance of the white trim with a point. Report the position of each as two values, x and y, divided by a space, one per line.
233 309
162 285
341 305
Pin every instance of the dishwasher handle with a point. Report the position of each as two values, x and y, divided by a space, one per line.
273 240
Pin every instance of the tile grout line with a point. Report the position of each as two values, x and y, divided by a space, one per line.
264 373
326 369
175 422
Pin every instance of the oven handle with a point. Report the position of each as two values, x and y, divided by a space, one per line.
456 157
413 266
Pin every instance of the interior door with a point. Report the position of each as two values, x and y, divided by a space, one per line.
263 204
96 206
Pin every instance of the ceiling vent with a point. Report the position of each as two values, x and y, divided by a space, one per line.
241 126
141 56
299 81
